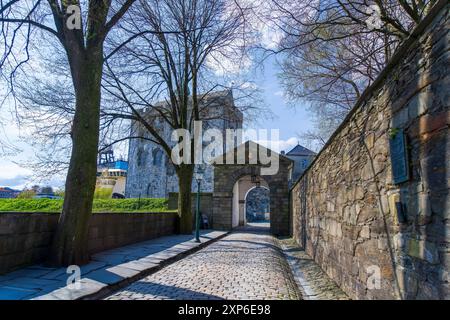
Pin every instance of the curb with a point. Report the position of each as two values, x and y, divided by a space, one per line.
291 264
308 289
290 269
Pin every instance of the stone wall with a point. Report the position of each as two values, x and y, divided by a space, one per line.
347 211
205 203
225 178
25 237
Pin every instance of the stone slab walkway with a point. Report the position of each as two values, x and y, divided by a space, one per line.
312 281
109 269
246 264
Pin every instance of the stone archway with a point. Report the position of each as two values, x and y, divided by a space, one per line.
225 178
241 189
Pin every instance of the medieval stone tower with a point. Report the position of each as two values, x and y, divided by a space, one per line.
151 173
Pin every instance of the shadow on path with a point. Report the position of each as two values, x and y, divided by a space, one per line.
161 291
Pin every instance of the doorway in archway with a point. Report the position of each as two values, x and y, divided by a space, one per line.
257 205
251 202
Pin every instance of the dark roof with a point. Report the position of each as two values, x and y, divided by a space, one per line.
299 150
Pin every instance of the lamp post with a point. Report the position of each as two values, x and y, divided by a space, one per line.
199 178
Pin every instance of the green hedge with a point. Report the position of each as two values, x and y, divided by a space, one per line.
100 205
103 193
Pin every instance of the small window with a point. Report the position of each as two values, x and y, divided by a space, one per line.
140 157
157 157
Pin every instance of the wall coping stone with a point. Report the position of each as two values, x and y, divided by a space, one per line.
94 213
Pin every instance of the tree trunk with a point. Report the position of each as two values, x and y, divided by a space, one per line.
185 173
70 242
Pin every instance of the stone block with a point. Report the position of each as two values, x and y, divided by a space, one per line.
335 229
88 286
393 199
359 192
370 140
383 244
418 105
399 119
428 291
407 283
93 233
400 241
365 232
440 202
423 209
424 250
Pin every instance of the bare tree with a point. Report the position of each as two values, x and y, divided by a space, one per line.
332 50
81 28
174 67
46 110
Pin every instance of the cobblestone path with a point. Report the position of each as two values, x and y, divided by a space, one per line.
246 264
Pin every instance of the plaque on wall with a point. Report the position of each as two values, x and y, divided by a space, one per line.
399 157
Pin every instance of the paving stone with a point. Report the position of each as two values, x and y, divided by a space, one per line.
87 287
105 276
139 265
109 259
106 268
57 273
91 266
246 264
36 270
8 293
31 283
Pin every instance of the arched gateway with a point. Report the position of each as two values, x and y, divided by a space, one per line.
228 206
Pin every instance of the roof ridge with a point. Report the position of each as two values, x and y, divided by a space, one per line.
300 150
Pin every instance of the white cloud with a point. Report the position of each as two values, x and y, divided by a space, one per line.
226 62
279 93
13 175
279 145
249 85
271 35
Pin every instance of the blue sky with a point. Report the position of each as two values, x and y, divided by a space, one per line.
289 120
